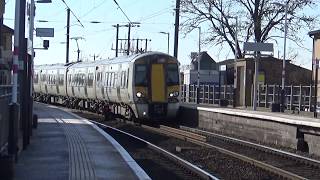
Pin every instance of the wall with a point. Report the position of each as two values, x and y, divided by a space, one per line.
268 132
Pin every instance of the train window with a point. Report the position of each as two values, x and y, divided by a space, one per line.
90 79
36 78
141 75
127 78
99 76
43 79
107 79
61 79
49 79
74 77
122 79
69 79
172 74
115 79
53 79
81 80
76 80
110 79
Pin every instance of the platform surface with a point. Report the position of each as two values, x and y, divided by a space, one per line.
65 146
271 116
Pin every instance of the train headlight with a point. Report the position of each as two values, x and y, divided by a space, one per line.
174 94
139 94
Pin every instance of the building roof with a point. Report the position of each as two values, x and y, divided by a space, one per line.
7 29
230 62
203 55
314 33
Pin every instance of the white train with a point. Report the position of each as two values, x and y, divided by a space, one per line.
140 86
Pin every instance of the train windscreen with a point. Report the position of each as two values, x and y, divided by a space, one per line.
141 75
172 74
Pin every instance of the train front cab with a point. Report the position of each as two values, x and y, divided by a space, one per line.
156 87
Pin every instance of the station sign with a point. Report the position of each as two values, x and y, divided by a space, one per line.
256 47
45 32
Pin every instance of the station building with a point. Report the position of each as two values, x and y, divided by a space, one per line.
270 70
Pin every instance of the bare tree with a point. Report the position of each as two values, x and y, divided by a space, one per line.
259 20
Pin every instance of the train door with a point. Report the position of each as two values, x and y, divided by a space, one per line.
158 83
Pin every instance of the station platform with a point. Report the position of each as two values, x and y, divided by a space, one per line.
284 130
66 146
294 119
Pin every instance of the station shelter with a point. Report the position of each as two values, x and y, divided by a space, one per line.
315 61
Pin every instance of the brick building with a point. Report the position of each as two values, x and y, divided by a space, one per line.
5 54
270 69
315 60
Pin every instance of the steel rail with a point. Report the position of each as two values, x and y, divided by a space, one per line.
306 160
262 165
201 173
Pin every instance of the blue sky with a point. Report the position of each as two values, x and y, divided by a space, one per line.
155 16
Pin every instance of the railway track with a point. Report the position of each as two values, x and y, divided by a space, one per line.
283 164
182 170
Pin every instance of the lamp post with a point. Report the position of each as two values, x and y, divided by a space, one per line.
235 74
198 69
168 34
284 54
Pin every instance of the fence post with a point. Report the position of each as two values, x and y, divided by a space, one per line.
194 93
274 93
300 96
266 96
310 97
187 93
203 94
191 93
259 94
213 94
252 95
208 96
291 96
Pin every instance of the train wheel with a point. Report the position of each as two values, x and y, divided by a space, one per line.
134 119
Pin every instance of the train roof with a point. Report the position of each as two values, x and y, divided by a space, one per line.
51 66
115 60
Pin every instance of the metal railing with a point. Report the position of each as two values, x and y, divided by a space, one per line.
208 94
296 97
5 95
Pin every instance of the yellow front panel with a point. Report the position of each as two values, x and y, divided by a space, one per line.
158 83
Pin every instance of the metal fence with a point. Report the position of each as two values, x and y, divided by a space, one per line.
296 97
5 95
208 94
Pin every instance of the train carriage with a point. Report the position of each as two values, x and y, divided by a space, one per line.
140 86
81 81
156 85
